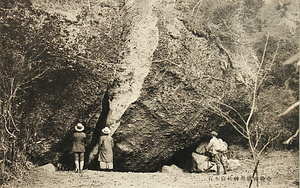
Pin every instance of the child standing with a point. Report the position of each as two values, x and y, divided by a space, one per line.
79 139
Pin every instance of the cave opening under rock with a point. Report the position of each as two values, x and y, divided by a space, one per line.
183 157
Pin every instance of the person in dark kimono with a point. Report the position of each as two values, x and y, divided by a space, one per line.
79 141
106 144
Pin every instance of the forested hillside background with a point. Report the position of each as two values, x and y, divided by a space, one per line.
157 72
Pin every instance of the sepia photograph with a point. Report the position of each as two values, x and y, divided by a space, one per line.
149 93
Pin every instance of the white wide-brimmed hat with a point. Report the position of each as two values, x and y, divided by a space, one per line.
106 130
79 127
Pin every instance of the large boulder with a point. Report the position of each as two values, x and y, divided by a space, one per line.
163 74
169 114
200 163
201 149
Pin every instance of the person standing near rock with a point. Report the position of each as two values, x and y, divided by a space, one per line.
217 155
79 141
106 144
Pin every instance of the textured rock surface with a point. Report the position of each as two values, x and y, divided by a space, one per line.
140 44
167 114
200 163
164 74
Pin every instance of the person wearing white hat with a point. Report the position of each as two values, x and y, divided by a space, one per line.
79 139
106 144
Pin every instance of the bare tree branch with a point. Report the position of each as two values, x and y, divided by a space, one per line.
198 3
292 59
254 95
289 109
269 141
5 126
230 107
233 123
269 69
13 122
289 140
35 77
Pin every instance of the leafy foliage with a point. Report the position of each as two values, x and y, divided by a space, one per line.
25 57
271 102
47 65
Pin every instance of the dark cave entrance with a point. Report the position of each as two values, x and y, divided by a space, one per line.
183 158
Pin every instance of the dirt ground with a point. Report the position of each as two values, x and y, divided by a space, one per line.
277 169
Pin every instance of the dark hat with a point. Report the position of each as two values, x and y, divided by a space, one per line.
214 133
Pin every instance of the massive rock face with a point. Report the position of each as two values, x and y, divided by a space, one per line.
156 103
156 108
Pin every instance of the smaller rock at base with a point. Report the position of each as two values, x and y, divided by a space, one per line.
173 169
48 168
